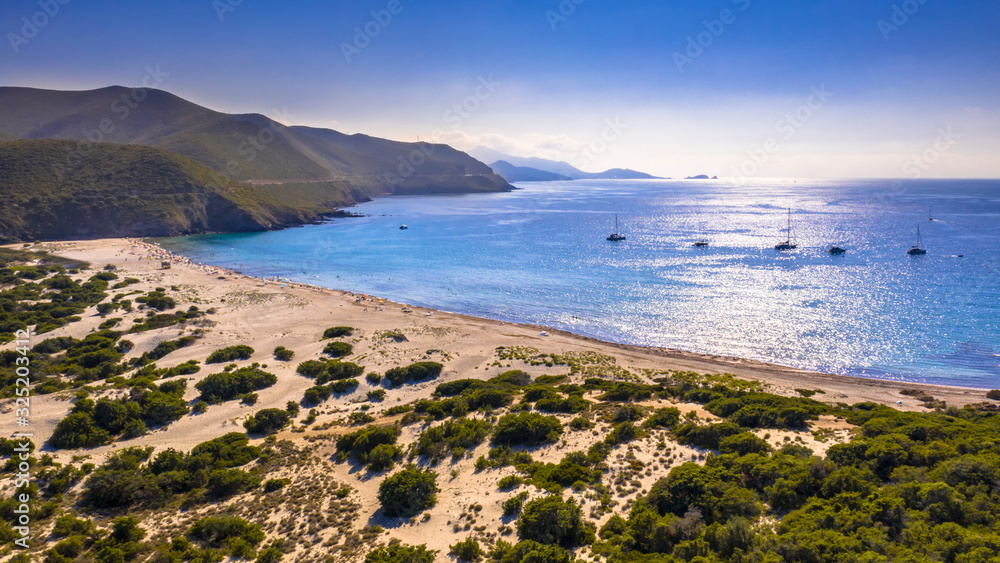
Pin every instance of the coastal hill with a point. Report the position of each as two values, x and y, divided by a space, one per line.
275 175
247 147
129 190
513 173
486 154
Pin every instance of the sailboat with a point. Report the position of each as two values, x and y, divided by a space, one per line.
615 236
788 244
917 249
930 216
702 242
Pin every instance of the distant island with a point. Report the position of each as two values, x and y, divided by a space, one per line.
534 166
272 175
701 177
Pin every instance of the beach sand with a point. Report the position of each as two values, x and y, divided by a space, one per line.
265 314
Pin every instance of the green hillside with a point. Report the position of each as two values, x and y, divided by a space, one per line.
246 147
59 189
4 137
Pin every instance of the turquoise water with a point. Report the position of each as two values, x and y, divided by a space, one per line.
539 255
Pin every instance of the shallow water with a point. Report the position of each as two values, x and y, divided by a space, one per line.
539 255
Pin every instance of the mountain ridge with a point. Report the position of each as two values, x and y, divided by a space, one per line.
512 173
487 154
247 147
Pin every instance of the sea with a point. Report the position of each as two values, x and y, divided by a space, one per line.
540 255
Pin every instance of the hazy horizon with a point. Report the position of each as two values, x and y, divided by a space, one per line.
894 89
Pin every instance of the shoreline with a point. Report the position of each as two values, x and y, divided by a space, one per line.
836 386
672 353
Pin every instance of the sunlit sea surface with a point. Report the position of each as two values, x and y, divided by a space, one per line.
539 255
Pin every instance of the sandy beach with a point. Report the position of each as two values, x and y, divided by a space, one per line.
269 313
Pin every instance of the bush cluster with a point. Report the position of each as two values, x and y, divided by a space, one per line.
361 445
226 386
230 354
267 421
526 429
337 332
92 423
452 436
408 492
414 372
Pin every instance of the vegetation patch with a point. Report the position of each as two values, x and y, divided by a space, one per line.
230 354
419 371
226 386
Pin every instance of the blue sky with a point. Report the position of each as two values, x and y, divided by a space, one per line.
545 78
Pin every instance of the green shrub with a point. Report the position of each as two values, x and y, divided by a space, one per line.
414 372
581 423
376 395
312 368
267 421
219 531
338 349
230 354
400 553
337 332
225 386
529 551
708 436
527 429
509 482
465 433
514 504
551 520
467 550
78 430
317 394
228 482
157 300
667 417
374 378
408 492
344 385
276 484
743 443
283 354
359 444
383 457
993 394
336 371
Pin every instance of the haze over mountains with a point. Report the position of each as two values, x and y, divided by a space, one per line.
559 168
